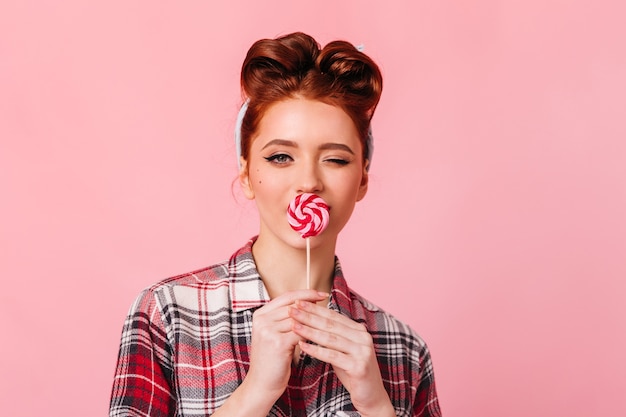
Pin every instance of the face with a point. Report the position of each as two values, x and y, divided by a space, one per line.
304 146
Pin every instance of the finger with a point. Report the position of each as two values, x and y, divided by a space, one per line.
323 318
334 357
290 297
277 320
278 309
282 326
278 334
271 315
328 339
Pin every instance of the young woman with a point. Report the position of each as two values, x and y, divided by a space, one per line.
244 337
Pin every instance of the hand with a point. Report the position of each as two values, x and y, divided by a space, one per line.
348 347
274 342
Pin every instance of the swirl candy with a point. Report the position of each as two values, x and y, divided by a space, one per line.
308 214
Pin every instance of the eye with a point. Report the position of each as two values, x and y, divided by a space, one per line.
338 161
279 159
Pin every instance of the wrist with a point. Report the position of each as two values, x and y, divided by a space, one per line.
383 411
382 408
248 401
256 386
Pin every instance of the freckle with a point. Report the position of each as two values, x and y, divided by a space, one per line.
260 182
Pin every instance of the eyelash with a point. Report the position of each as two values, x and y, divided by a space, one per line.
275 159
282 159
338 161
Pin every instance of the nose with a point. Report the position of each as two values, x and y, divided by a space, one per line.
309 179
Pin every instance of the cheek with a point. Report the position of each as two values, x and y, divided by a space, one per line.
349 182
254 175
258 180
262 182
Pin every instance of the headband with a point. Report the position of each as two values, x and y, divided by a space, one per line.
369 143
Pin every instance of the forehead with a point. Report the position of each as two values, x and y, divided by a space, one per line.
298 119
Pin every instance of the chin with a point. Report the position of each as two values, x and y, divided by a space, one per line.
316 241
298 241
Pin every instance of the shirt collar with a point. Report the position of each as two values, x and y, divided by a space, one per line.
246 287
340 299
248 291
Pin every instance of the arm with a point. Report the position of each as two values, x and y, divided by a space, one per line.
143 375
426 403
142 378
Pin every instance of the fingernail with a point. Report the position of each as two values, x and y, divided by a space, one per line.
322 294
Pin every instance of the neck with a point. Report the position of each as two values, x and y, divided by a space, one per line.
283 267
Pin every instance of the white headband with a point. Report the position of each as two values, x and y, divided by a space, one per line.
242 112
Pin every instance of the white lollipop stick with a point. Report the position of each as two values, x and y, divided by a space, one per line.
308 263
308 215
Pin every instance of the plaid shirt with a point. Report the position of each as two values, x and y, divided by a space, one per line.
185 348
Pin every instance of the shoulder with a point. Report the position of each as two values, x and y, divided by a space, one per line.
183 290
209 289
201 278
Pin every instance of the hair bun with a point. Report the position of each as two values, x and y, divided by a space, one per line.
273 61
353 71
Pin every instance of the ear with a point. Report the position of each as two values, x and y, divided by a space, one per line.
364 181
244 179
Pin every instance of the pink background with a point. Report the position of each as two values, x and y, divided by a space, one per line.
495 223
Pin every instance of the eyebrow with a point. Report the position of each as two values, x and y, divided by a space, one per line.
293 144
280 142
336 146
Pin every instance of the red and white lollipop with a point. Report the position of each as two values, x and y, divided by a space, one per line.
308 215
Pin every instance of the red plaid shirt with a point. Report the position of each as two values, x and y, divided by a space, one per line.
186 342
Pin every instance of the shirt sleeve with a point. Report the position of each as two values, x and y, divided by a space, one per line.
426 403
142 383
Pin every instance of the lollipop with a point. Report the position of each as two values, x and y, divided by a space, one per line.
308 215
